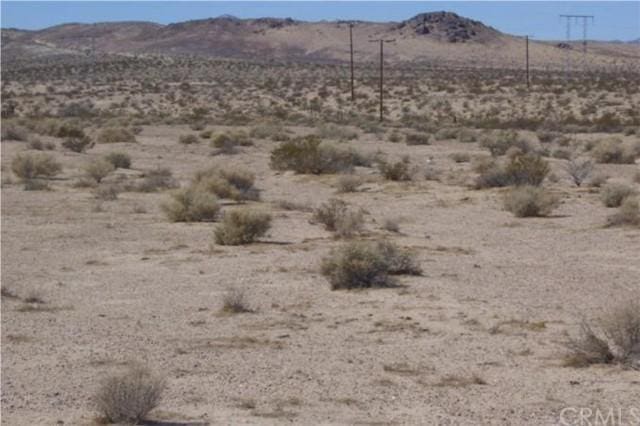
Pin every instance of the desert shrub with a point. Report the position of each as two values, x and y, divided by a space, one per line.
206 134
546 136
188 139
235 301
460 157
598 180
417 139
628 214
394 136
613 194
65 130
357 265
447 133
156 179
527 169
31 166
490 174
391 225
115 134
579 170
367 264
120 160
466 135
192 205
636 177
107 192
13 132
242 227
98 169
228 141
529 201
336 217
234 184
349 183
612 150
37 145
130 396
78 144
398 171
614 338
334 132
36 185
309 155
560 153
500 143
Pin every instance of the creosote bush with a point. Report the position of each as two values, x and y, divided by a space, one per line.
309 155
627 215
614 338
192 205
31 166
242 227
120 160
613 194
115 134
398 171
530 201
367 264
227 142
130 396
98 169
527 169
500 143
232 183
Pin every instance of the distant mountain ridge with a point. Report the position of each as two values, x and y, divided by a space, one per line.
439 37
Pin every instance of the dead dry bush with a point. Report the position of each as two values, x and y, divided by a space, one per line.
367 264
235 301
530 201
309 155
613 338
231 183
242 227
336 217
579 170
130 396
192 204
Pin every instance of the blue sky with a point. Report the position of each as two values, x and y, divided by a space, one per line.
613 20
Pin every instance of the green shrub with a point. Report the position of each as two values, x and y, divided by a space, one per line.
120 160
309 155
129 397
188 139
242 227
192 205
31 166
234 184
628 214
529 201
115 134
78 144
367 264
613 194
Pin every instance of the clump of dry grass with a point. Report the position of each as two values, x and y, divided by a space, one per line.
235 301
232 183
614 338
367 264
130 396
530 201
613 194
336 217
192 205
242 227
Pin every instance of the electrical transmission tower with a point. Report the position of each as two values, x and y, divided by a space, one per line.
382 42
569 19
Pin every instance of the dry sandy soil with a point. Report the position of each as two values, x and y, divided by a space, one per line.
479 338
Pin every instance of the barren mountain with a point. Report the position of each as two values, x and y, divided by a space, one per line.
437 37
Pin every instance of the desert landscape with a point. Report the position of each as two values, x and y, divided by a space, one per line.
200 226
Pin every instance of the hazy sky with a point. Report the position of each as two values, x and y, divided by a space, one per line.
613 20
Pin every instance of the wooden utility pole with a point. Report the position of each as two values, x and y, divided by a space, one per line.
353 93
527 55
381 41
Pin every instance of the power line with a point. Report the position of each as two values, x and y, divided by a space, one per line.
382 42
576 18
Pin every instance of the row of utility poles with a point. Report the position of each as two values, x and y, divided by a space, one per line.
568 18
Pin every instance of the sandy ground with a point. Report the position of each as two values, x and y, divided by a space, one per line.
478 339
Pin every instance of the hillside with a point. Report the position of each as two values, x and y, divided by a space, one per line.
440 38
